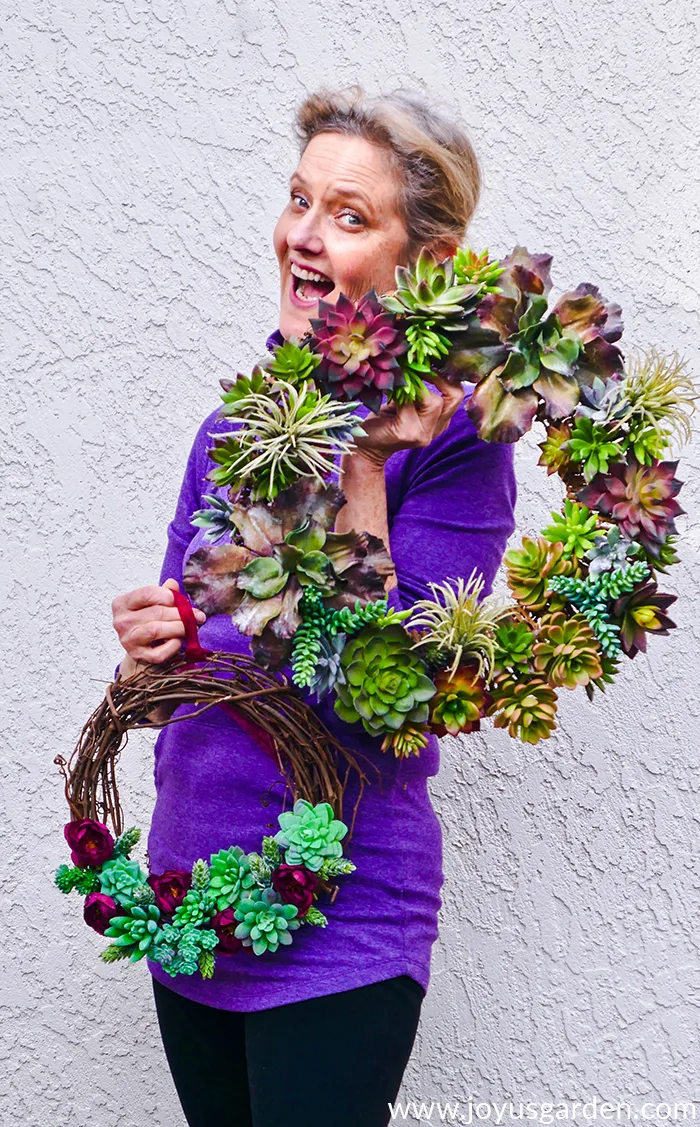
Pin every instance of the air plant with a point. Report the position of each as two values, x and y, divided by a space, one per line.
284 433
458 623
660 394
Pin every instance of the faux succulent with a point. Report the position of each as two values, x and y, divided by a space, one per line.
430 290
265 921
459 620
659 394
118 879
610 551
526 707
514 642
639 498
556 456
286 547
641 612
385 681
293 362
575 528
216 518
284 433
477 270
407 740
594 594
359 346
566 651
530 568
460 701
184 950
594 446
310 834
229 876
135 931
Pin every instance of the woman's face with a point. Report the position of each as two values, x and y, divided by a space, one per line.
341 226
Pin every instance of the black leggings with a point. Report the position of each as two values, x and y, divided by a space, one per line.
338 1059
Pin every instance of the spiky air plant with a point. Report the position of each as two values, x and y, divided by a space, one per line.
641 612
456 622
530 568
460 702
473 269
293 362
575 528
526 707
660 397
639 498
359 346
431 290
284 433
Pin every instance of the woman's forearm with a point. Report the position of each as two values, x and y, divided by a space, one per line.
364 486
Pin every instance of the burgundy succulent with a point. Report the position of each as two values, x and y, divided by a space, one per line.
169 888
296 885
642 612
99 909
224 924
641 499
359 345
90 842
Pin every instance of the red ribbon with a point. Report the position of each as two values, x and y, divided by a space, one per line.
194 653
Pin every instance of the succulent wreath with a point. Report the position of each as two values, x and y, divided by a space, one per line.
584 592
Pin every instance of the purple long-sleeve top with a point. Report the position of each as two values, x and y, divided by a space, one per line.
450 509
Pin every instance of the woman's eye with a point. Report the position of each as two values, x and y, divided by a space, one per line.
294 196
359 221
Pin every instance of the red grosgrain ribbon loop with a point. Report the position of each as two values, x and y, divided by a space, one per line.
193 650
194 653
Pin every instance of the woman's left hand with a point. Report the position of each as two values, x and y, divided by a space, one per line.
413 425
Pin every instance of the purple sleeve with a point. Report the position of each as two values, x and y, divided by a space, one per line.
455 512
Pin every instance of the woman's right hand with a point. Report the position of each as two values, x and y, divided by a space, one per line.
149 626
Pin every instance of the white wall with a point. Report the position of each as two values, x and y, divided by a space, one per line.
145 150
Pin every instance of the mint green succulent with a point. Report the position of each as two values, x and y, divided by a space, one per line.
266 922
594 445
592 597
135 931
310 834
575 528
182 950
196 909
229 876
118 879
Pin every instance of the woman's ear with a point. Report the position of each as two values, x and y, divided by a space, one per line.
445 248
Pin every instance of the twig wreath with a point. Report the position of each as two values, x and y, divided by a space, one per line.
584 591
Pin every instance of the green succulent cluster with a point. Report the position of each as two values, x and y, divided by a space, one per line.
136 930
526 706
126 842
265 922
575 528
477 270
514 643
594 445
308 637
229 876
530 568
425 344
197 908
69 877
293 362
385 681
593 595
310 834
185 950
119 878
430 290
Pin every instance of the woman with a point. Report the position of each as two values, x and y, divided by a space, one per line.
321 1032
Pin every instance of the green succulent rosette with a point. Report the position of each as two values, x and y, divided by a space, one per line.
265 921
229 876
310 834
385 684
119 878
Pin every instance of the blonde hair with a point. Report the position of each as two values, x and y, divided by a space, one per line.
432 155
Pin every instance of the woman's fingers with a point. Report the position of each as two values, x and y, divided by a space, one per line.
145 633
450 399
155 654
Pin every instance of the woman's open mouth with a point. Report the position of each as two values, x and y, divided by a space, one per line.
307 287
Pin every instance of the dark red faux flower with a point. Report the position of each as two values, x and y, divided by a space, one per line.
169 888
91 843
224 924
296 885
99 909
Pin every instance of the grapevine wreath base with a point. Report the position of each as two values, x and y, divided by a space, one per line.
584 591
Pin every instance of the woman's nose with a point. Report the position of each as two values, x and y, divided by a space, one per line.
304 234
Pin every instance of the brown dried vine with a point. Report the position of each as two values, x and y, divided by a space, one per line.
308 755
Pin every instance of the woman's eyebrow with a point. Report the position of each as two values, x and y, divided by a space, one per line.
348 191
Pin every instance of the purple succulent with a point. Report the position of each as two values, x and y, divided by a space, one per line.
359 345
639 498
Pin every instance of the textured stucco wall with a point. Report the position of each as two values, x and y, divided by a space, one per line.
145 148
